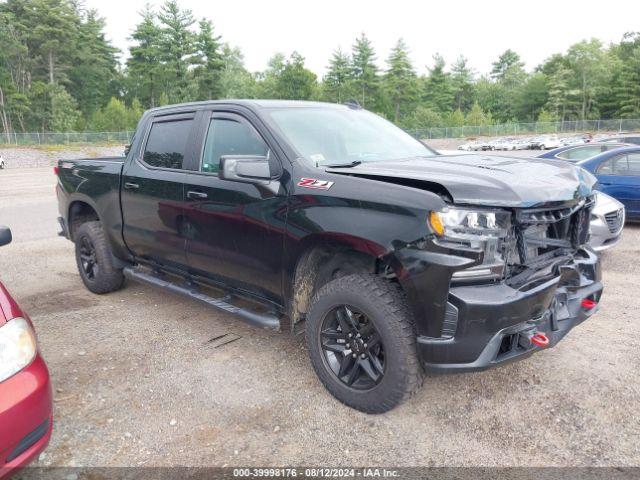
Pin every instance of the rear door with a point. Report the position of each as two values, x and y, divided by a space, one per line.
153 190
235 230
620 178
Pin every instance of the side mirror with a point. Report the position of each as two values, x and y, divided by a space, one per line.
5 236
245 168
127 148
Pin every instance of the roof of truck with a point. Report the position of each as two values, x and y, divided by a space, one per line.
255 103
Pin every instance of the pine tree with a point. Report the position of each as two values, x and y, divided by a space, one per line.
558 102
144 71
177 49
235 80
462 84
295 82
509 60
437 90
626 88
209 60
400 80
364 70
338 77
476 117
93 77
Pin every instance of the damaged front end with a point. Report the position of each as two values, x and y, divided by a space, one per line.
518 280
515 245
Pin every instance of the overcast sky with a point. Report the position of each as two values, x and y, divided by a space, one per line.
479 30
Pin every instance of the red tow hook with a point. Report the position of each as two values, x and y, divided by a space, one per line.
540 340
588 304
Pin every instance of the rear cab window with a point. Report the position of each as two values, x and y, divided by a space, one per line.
167 143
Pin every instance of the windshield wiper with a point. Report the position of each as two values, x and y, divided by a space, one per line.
355 163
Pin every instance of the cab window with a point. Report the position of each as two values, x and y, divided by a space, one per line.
167 144
229 137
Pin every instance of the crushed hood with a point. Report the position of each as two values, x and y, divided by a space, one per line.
488 180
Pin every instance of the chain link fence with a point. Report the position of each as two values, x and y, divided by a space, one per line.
536 128
67 138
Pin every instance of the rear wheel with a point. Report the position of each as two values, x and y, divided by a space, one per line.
94 259
362 342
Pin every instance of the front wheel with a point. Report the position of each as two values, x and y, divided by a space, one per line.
362 342
94 259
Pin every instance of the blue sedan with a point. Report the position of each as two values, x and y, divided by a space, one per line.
575 153
618 173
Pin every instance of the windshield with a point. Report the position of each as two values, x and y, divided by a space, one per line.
335 136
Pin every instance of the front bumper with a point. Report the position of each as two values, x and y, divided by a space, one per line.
26 419
601 237
485 325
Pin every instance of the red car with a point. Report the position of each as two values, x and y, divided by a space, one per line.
25 390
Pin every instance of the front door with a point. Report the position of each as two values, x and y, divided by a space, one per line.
235 231
619 177
153 191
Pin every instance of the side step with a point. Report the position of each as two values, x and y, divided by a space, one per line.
263 320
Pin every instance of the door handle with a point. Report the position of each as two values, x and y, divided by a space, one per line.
131 186
196 195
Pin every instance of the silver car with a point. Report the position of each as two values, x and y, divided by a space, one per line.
607 222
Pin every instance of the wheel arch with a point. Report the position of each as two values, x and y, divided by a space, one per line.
325 257
81 210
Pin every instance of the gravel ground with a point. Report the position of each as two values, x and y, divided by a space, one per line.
46 156
138 382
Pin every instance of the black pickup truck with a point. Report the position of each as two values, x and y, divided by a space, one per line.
294 215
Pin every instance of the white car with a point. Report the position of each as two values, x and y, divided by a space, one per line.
467 147
607 222
548 142
523 144
499 144
574 140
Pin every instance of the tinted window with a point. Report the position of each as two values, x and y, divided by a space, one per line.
606 168
608 147
580 153
167 143
622 165
229 137
635 140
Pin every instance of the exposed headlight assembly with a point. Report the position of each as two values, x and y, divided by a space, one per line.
481 229
17 347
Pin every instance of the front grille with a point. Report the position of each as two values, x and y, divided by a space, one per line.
614 220
540 231
546 236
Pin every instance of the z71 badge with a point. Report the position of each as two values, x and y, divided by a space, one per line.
315 183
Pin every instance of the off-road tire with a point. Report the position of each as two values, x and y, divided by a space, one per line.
385 305
108 278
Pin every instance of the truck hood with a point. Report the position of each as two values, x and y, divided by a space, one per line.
486 180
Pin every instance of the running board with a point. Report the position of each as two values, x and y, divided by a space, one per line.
271 322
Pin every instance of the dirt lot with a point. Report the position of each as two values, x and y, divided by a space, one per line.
138 382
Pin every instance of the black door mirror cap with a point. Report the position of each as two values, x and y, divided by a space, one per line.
5 236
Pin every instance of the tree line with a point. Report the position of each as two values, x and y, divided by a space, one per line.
59 73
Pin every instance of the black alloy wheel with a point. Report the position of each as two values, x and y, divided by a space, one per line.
88 259
352 348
